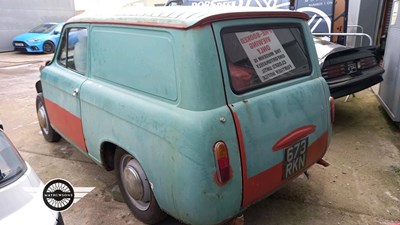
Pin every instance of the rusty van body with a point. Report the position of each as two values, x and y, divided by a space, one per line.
202 112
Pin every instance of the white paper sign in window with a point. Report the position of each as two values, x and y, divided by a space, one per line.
266 53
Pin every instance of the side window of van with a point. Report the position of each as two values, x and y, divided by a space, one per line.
260 56
73 52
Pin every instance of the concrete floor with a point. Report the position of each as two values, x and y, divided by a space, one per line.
362 185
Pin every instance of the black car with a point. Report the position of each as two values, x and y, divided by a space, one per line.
348 70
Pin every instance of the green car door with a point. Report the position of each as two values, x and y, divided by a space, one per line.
62 82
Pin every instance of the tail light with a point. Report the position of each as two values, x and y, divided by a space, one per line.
366 63
222 162
332 108
349 67
334 71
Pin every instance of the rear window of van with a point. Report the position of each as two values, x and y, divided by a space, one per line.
261 56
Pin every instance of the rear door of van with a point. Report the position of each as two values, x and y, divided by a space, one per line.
277 98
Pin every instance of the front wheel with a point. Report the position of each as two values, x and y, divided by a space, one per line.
136 189
48 132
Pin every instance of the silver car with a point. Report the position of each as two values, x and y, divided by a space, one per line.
348 70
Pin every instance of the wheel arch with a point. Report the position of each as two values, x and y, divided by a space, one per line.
54 40
38 87
107 153
49 40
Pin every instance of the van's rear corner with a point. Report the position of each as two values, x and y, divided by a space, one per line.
277 97
279 106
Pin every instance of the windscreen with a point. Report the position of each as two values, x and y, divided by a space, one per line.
44 28
11 164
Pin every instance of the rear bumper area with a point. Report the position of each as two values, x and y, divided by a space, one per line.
365 81
269 181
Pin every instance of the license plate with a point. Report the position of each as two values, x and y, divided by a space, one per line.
19 44
295 157
351 68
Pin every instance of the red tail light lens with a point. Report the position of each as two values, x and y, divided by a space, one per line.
368 62
347 68
334 71
222 162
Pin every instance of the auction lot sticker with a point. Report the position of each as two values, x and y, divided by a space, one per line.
267 55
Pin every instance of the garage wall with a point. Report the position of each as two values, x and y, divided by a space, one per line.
19 16
370 17
352 19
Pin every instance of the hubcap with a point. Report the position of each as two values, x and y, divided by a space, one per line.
133 183
42 117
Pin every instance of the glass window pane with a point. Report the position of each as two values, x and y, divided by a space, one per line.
73 54
11 164
262 57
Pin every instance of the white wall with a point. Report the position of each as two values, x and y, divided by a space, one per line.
19 16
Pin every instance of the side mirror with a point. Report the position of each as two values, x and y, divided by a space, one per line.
56 32
46 64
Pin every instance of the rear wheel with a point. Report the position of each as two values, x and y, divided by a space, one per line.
136 189
48 132
48 47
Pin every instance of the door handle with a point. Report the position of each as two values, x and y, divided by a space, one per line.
75 92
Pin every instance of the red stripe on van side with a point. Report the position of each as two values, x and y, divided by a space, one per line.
200 22
67 123
247 15
142 24
259 186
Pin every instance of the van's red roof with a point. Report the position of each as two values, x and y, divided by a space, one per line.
182 17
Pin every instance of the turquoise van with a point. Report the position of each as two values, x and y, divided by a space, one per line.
201 112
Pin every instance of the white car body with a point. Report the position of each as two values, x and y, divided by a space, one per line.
21 200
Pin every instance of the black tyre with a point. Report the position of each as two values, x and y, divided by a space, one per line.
48 132
48 47
136 190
